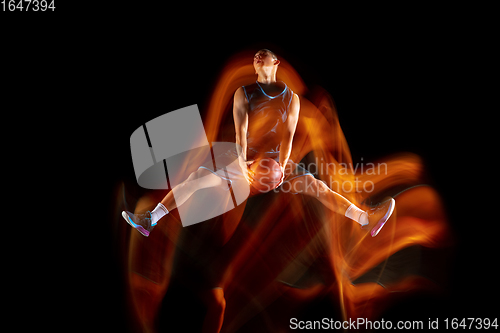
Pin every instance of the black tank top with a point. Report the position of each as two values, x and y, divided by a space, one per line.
266 118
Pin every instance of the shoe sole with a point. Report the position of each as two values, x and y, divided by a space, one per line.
374 232
139 228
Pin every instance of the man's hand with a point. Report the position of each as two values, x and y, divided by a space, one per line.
282 175
245 169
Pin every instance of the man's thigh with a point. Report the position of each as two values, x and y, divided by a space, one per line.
298 180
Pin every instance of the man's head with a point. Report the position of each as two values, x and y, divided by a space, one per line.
265 60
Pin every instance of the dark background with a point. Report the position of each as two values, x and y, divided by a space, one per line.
401 82
395 91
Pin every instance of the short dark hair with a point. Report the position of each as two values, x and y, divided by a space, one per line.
270 52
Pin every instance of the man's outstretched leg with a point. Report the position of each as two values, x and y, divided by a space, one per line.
199 179
373 219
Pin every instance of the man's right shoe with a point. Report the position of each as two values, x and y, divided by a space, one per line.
141 222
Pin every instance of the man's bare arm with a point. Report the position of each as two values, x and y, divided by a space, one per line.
240 115
290 126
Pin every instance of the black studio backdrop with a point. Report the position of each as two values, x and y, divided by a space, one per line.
393 94
95 73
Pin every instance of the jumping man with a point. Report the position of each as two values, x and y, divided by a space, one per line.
265 116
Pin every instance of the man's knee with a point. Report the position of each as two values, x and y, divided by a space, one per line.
321 186
197 174
203 178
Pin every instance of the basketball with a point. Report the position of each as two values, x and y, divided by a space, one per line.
267 175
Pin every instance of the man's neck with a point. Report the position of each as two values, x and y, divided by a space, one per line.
266 78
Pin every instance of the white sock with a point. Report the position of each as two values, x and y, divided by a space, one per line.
158 213
356 214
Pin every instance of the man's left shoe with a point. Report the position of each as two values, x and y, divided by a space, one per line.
379 216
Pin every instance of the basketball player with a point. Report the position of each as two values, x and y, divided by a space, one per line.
265 116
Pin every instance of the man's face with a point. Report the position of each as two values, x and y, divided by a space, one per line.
263 59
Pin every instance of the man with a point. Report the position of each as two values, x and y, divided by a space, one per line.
265 116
